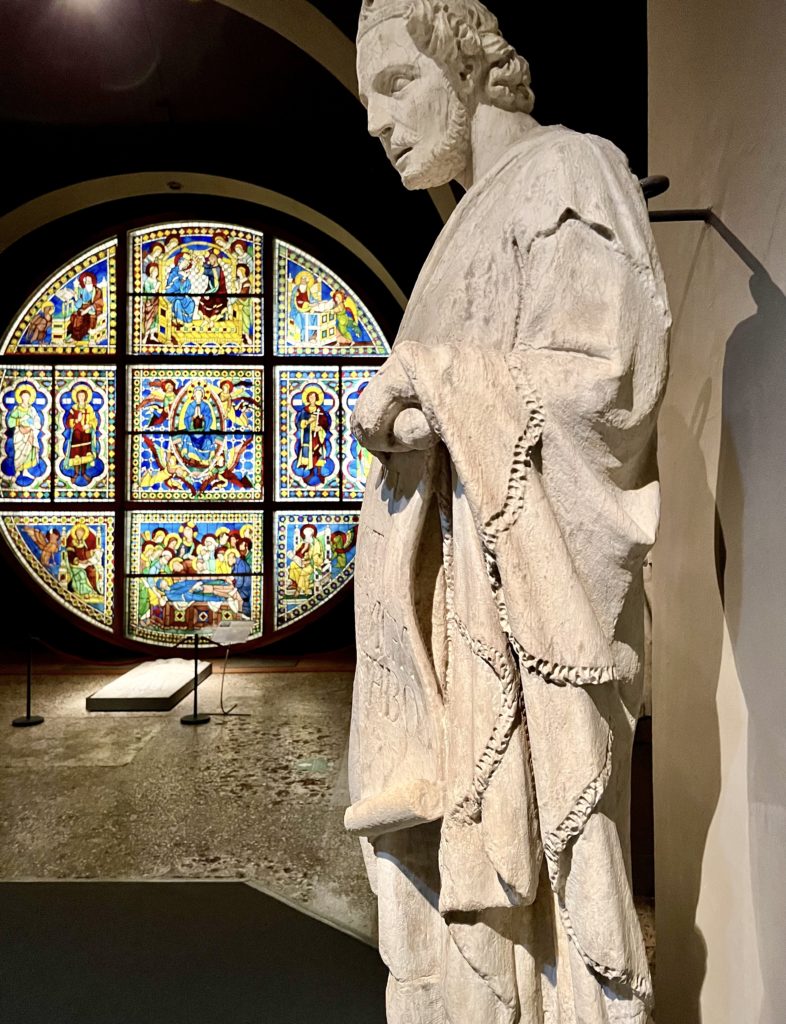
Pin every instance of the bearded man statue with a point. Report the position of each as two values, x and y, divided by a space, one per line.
512 502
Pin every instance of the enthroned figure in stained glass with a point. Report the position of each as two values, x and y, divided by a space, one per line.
88 306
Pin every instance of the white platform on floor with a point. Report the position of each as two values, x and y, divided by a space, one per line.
153 686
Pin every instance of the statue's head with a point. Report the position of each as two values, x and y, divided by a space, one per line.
424 67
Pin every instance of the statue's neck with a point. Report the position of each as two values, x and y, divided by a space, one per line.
494 131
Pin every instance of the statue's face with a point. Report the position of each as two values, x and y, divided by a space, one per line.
412 107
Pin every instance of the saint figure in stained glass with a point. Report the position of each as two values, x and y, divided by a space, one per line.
88 303
81 437
73 312
85 432
151 286
313 437
213 303
46 546
83 559
25 427
39 330
178 286
306 562
314 559
317 313
70 555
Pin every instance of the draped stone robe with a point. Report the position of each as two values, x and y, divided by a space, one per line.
499 603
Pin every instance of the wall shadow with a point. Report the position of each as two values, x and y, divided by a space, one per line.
688 617
751 501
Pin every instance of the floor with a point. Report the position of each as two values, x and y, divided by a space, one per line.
187 953
258 795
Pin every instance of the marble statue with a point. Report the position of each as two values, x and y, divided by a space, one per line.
508 513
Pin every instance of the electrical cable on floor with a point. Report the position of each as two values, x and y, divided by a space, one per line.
231 712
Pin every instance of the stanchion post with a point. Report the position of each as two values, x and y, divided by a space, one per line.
195 718
29 719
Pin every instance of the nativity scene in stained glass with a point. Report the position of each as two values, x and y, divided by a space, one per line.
317 314
197 290
74 312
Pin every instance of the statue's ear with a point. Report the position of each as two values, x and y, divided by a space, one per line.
470 77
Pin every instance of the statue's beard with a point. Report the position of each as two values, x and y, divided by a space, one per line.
449 157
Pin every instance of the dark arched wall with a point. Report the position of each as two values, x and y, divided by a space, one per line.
176 86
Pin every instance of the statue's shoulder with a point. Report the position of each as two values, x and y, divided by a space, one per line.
562 156
553 169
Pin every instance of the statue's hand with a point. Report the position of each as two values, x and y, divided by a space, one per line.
387 417
412 429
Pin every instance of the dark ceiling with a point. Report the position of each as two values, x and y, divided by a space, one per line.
96 87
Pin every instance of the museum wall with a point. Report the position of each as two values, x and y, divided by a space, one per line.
717 82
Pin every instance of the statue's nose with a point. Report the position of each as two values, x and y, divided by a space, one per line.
380 123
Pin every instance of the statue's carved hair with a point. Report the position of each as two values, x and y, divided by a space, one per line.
455 32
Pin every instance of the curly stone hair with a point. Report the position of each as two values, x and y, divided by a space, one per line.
456 32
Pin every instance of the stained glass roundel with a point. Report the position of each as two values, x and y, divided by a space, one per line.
231 447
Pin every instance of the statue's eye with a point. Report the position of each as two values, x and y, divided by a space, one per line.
398 83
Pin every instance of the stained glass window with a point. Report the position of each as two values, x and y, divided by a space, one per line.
355 460
71 554
309 433
317 313
192 572
26 397
75 310
196 433
85 433
229 456
196 290
315 552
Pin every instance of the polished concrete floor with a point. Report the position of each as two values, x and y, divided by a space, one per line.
257 796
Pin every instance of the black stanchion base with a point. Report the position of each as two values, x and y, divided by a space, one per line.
195 719
26 721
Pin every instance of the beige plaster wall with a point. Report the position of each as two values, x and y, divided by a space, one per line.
718 129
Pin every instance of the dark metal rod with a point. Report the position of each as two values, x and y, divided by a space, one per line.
196 672
29 677
658 216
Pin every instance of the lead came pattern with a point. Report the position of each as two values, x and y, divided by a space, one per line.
26 400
